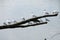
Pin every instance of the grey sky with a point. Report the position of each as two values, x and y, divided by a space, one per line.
15 9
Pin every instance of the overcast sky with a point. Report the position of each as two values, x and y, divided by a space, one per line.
15 9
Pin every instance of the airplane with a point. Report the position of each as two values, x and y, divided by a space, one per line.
18 24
